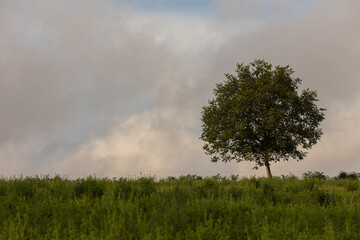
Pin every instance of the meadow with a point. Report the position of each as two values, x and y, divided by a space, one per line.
188 207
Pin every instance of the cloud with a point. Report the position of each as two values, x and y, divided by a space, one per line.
18 158
67 70
338 148
260 10
320 46
150 143
63 63
94 86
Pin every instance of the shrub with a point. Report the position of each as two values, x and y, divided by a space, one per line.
90 187
325 199
24 188
3 188
309 184
352 175
122 188
352 186
146 186
255 208
254 182
316 174
234 177
290 176
235 191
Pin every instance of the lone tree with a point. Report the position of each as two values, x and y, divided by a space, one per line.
258 115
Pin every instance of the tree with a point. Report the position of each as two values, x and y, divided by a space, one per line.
258 115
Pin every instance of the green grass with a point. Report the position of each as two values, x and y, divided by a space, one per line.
179 208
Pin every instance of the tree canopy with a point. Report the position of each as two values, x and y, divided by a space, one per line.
259 115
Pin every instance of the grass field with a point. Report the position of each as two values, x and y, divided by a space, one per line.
187 207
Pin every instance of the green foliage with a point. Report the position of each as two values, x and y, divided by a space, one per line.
90 187
189 207
258 115
353 186
316 174
345 175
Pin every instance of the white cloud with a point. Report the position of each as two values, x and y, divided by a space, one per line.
150 142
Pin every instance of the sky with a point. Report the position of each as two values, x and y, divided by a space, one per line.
114 88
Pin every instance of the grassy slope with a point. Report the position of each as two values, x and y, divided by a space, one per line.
183 208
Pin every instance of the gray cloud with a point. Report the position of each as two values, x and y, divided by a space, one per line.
67 71
260 10
62 61
321 47
93 87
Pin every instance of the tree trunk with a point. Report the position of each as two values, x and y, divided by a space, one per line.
267 165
